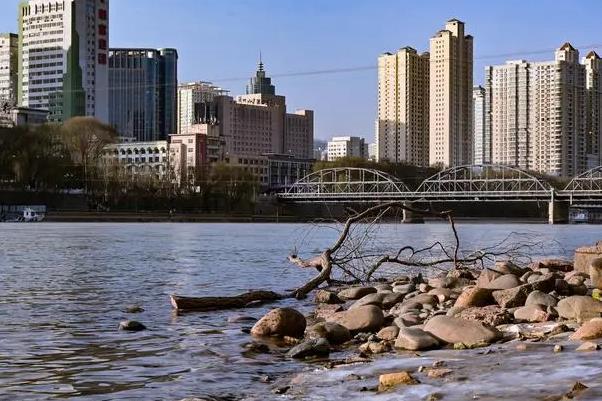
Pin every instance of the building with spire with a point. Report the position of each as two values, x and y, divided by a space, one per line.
260 84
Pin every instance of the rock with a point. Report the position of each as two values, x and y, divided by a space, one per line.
131 325
374 347
579 307
404 288
386 288
441 282
540 298
545 283
491 315
512 297
504 282
241 319
323 311
590 330
442 294
558 348
455 310
588 346
532 313
595 273
415 303
312 347
455 330
392 299
438 373
280 322
257 348
333 332
355 293
508 267
474 296
389 333
414 339
370 299
578 289
423 287
367 318
575 280
327 297
486 277
134 309
585 255
390 380
553 265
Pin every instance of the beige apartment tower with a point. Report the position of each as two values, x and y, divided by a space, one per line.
451 61
593 104
402 127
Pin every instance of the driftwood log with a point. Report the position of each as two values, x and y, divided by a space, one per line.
185 304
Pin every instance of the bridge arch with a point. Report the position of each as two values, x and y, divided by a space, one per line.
470 181
332 182
591 180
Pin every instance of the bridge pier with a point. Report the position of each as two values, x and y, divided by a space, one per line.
410 217
558 212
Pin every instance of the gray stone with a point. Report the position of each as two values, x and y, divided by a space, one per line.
414 339
131 325
540 298
313 347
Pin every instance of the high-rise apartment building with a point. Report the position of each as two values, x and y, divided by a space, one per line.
402 127
63 63
9 44
557 116
143 88
541 116
507 113
480 144
196 105
593 102
450 133
347 146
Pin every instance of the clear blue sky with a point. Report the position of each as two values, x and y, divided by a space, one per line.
219 40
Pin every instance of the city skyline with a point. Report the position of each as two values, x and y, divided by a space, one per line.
299 39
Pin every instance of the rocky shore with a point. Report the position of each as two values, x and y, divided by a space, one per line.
463 311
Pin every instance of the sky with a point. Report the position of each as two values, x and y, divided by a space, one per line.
220 41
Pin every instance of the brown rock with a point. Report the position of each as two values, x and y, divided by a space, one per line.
491 315
532 313
392 299
455 330
355 293
486 277
375 347
367 318
333 332
280 322
579 307
595 273
413 338
391 380
553 265
512 297
388 333
370 299
327 297
323 311
508 267
589 330
436 373
588 346
474 296
443 294
585 255
504 282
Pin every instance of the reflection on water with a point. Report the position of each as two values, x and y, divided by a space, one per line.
64 288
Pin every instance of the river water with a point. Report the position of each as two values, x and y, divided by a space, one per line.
64 288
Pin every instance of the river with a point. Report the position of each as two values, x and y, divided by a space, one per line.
64 288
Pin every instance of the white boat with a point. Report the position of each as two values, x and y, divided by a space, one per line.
27 215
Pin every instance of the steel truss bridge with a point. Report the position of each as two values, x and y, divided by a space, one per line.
469 183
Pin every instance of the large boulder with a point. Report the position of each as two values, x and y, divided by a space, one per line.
370 299
579 307
595 273
540 298
355 292
312 347
585 255
532 313
455 330
589 331
327 297
512 297
367 318
281 322
504 282
414 339
474 296
491 315
333 332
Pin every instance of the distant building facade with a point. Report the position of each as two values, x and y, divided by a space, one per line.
63 57
347 146
143 87
196 104
402 126
481 145
138 158
450 122
9 65
593 104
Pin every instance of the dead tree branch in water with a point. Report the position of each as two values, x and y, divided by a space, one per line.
348 256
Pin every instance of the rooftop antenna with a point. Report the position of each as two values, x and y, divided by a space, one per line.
260 62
